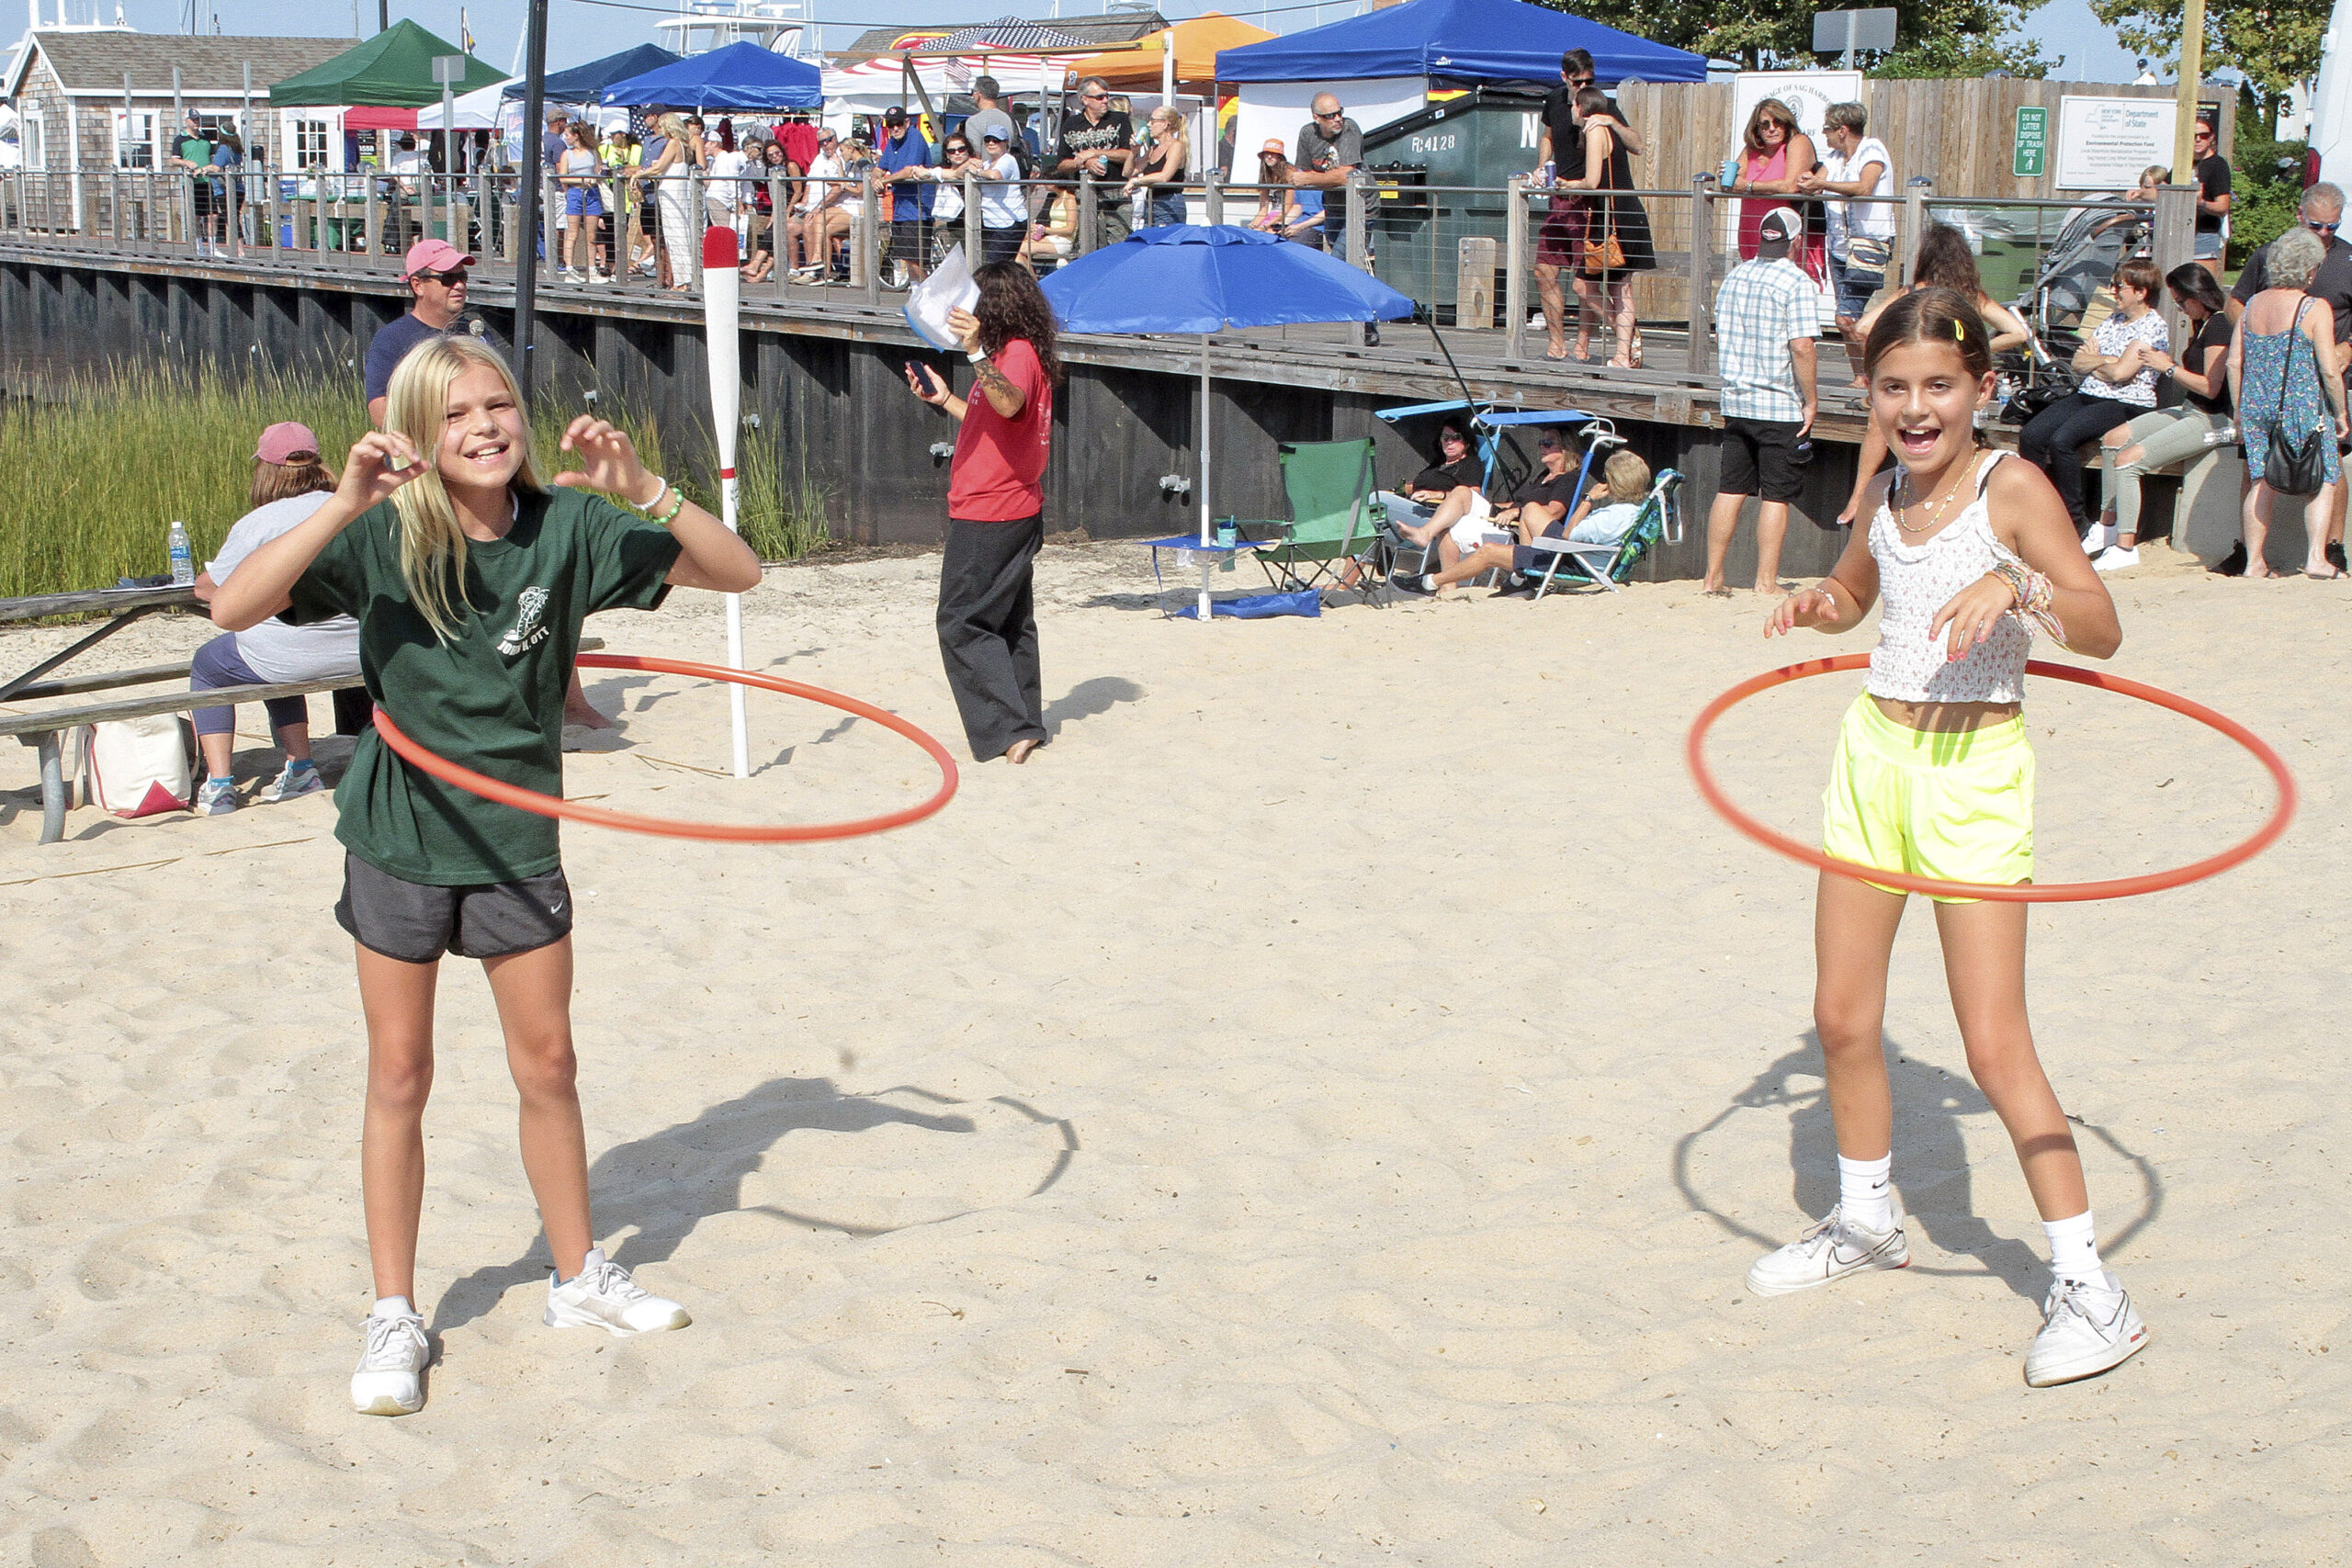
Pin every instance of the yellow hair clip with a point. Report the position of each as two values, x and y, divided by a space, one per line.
1958 330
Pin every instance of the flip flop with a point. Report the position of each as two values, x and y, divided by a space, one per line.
2328 576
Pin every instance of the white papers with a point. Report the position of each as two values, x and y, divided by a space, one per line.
949 287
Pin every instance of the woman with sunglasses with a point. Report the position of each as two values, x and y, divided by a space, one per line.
948 206
1160 168
1773 153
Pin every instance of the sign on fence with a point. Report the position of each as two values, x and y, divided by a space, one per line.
2103 143
2031 159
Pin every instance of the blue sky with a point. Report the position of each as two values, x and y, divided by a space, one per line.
578 32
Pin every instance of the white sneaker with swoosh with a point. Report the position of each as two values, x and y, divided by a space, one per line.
2085 1329
1830 1250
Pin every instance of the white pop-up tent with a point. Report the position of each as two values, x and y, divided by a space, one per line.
477 111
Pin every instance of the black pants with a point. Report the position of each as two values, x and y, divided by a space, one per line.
988 632
2050 438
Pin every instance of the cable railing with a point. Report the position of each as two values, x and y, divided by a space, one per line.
1502 264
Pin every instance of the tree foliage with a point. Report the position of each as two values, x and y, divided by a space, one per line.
1934 38
2275 43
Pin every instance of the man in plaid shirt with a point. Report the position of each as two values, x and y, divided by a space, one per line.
1767 315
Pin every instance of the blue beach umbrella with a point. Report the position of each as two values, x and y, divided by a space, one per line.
1186 278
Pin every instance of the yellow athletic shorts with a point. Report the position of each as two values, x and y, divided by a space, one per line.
1955 807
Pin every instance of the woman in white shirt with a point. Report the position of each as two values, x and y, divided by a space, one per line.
1004 205
289 484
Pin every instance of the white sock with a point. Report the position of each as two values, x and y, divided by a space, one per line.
393 1306
1866 1191
2074 1249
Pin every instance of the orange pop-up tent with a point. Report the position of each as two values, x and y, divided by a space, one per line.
1196 42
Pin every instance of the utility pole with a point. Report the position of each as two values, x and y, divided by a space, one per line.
2192 74
383 16
527 250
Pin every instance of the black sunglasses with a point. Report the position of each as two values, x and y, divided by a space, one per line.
2321 228
452 277
1579 81
957 147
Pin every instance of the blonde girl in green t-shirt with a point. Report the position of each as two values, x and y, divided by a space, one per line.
469 589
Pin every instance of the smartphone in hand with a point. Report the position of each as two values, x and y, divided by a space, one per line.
923 381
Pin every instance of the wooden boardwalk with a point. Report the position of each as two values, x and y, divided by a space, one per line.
1408 364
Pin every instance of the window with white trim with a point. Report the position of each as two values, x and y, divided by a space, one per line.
134 139
310 143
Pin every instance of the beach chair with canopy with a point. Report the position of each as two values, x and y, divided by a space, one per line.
1487 426
1329 486
1568 561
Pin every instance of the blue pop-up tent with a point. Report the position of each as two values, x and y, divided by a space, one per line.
740 76
1456 41
585 83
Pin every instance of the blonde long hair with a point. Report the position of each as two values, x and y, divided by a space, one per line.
1181 140
433 547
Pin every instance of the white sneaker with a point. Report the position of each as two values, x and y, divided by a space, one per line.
2099 538
2085 1329
386 1381
602 1295
216 797
2115 558
1830 1250
290 785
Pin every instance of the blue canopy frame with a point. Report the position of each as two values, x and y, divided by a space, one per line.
740 76
1460 41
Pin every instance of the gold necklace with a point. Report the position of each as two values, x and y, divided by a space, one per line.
1936 509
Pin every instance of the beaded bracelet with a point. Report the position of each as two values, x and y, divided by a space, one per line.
647 507
677 504
2034 597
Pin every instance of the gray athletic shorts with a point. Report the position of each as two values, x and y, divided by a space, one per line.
417 923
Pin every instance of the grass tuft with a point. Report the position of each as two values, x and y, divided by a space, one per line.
97 473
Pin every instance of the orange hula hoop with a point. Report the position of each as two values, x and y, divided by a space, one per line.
1694 758
532 800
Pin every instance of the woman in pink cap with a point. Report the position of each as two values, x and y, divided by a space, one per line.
289 484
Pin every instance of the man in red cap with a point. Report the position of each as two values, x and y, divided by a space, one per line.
435 271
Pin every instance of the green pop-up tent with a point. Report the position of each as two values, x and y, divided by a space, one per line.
392 69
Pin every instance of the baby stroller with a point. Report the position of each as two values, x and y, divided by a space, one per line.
2091 243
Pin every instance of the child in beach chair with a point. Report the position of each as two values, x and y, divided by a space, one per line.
1609 511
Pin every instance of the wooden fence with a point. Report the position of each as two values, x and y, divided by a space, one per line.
1956 132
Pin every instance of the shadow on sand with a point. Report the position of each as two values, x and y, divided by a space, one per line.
1930 1165
668 1182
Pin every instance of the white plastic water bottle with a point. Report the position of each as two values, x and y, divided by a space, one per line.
183 555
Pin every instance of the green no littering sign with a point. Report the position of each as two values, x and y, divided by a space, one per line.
2032 144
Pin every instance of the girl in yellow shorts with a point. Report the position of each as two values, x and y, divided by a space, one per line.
1934 777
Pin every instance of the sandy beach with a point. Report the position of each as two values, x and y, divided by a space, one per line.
1318 1111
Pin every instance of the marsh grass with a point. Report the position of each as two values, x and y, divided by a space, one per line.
91 479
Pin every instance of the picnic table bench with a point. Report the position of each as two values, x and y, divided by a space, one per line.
45 728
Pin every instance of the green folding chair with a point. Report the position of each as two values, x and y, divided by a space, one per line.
1329 486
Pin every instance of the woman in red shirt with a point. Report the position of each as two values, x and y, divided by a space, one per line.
987 621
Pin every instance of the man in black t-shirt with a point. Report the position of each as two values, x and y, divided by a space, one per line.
1098 140
2213 197
2323 213
1560 144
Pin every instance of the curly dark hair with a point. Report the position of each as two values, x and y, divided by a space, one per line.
1012 306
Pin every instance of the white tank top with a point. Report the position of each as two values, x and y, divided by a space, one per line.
1915 580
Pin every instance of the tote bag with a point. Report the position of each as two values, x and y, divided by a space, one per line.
2294 465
